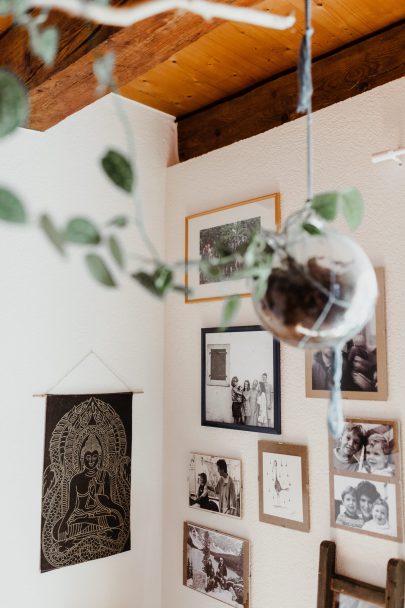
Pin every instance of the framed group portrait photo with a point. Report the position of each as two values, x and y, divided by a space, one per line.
364 366
240 379
229 228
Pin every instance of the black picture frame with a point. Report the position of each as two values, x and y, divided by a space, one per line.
273 430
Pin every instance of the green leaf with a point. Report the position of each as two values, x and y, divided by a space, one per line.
118 169
98 269
11 208
103 70
44 43
352 207
120 221
81 230
158 283
326 205
53 234
229 309
147 281
14 106
116 250
311 229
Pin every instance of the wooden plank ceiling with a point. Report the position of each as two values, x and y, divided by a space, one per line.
214 76
234 57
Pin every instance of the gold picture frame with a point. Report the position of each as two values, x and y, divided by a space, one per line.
274 508
216 583
379 323
202 233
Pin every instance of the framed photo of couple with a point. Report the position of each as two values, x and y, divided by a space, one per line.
365 478
240 379
364 372
209 233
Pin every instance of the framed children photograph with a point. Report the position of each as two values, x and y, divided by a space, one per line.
366 446
240 379
216 564
229 228
365 478
364 368
283 485
368 507
215 484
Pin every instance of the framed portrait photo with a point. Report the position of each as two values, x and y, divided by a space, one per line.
240 379
283 485
365 478
215 484
225 228
364 371
216 564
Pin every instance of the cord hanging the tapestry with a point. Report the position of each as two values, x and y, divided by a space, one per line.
86 479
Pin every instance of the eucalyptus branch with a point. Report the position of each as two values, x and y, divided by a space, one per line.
124 17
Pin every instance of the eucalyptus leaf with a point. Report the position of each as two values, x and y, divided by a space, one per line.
99 270
80 230
44 43
119 170
311 229
103 70
158 283
120 221
229 310
54 235
148 282
14 107
326 205
116 250
11 208
352 207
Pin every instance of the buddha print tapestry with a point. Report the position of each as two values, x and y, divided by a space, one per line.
87 478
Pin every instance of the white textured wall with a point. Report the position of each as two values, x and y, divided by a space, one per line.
51 314
284 562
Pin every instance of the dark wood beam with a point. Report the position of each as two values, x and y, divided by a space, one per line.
354 69
69 85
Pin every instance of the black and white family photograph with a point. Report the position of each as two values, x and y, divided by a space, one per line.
365 506
215 484
364 366
241 379
217 565
367 446
223 240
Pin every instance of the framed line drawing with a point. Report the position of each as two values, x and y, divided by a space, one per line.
215 484
240 379
217 564
229 227
364 373
284 485
365 478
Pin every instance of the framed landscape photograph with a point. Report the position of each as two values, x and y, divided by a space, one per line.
283 485
216 564
365 478
364 372
228 229
240 379
215 484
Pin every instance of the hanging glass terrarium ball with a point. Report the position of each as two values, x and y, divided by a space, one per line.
322 289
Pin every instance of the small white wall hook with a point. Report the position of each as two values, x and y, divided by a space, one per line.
394 155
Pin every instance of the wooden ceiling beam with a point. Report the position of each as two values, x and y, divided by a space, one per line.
69 85
354 69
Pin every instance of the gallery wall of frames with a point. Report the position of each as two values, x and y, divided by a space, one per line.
240 391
